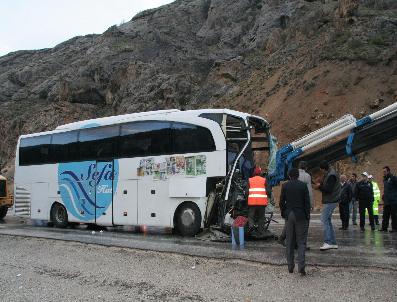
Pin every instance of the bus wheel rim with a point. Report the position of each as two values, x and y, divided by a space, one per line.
61 214
187 217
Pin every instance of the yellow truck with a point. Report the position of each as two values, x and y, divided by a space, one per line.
6 199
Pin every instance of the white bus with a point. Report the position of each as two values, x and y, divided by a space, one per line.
152 168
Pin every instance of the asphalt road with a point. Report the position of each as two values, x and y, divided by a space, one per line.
356 249
48 270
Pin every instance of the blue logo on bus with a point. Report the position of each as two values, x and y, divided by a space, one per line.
87 188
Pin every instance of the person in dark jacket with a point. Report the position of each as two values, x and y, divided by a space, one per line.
306 178
389 200
330 190
345 199
365 196
295 208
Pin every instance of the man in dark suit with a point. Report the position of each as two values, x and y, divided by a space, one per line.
365 196
345 198
295 208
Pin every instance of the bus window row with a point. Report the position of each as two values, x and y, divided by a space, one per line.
137 139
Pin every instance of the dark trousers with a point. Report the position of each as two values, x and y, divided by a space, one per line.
389 211
386 216
256 216
362 206
344 214
296 234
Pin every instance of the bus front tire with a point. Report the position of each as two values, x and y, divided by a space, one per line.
59 216
3 212
188 219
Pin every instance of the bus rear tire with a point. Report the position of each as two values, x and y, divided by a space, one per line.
188 219
59 216
3 212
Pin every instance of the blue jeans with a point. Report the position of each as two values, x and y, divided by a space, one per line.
353 205
326 219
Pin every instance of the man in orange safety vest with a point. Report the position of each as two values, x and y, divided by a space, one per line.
257 201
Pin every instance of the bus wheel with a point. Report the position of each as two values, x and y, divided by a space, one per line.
188 219
3 212
59 216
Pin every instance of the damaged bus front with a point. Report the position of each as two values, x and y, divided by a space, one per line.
249 143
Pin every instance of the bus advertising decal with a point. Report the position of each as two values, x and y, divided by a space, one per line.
87 188
173 165
191 166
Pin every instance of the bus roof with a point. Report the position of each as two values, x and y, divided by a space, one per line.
159 114
116 119
152 114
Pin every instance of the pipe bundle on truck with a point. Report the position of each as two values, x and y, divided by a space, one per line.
369 132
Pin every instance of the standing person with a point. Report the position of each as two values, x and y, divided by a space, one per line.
365 196
295 208
389 200
330 189
307 179
345 198
353 204
375 206
257 201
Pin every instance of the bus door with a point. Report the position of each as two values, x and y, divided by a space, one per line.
104 192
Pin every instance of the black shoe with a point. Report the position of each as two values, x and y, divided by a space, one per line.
362 229
382 230
373 229
290 269
308 248
354 223
393 231
341 228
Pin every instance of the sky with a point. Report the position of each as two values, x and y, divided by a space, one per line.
36 24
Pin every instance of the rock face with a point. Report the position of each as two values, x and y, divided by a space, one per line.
348 8
280 59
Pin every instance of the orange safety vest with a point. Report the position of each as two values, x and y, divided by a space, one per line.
257 192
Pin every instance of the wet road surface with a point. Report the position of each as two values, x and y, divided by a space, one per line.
370 249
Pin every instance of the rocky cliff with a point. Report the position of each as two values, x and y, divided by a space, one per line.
301 64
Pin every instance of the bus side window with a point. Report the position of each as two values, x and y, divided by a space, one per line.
34 150
64 147
147 138
191 139
98 143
